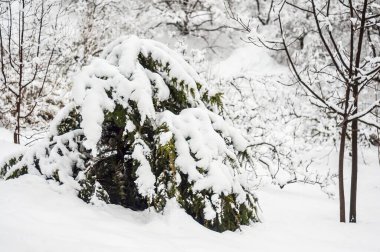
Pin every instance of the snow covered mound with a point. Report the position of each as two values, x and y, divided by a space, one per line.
248 61
39 215
143 128
6 135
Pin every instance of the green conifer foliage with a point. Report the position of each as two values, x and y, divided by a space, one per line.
143 129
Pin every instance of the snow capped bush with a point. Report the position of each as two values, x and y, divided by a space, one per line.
143 128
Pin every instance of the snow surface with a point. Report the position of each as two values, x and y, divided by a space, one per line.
38 215
6 135
247 61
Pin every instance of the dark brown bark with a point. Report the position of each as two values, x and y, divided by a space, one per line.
21 74
342 202
354 174
355 93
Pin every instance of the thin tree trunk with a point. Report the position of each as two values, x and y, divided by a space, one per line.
355 93
354 170
18 122
342 203
354 175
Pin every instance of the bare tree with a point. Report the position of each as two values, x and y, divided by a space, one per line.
189 16
28 50
345 67
97 23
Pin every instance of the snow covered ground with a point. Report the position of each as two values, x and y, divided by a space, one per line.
36 215
248 61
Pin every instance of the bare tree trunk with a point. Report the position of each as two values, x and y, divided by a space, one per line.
21 71
18 122
354 175
355 93
342 202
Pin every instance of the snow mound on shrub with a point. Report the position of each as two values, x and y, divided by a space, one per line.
143 128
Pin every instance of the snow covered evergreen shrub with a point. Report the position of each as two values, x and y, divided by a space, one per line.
141 129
